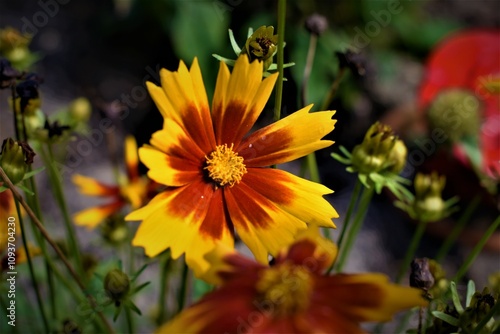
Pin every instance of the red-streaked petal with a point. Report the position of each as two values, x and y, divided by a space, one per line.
89 186
290 138
239 99
188 219
299 197
364 297
186 94
131 158
263 226
94 216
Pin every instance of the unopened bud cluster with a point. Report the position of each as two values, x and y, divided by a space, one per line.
380 151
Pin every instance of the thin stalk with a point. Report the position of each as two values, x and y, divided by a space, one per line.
410 253
56 248
311 51
352 204
130 320
366 197
333 89
165 265
280 58
55 179
476 250
402 324
181 298
32 271
458 228
34 202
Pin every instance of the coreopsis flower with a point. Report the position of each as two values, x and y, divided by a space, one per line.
291 296
15 158
7 210
132 190
465 67
217 183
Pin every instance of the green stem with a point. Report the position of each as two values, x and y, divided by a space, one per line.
34 202
312 165
458 228
487 317
352 204
333 89
311 51
476 250
55 179
181 298
410 253
45 234
165 265
32 271
280 58
130 320
366 197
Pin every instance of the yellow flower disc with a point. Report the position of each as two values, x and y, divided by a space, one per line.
225 166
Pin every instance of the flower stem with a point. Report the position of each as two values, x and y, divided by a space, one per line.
32 271
458 228
56 248
130 320
333 89
366 197
164 269
280 58
410 253
181 298
352 204
55 179
476 250
311 51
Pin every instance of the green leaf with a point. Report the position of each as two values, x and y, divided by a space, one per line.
471 289
201 288
133 307
139 272
228 61
33 172
26 190
341 159
3 188
456 298
446 317
236 47
140 287
117 312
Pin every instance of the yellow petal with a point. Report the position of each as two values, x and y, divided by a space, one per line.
131 158
92 187
288 139
94 216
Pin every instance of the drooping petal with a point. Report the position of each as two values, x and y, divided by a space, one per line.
94 216
262 225
131 158
239 99
188 219
299 197
92 187
290 138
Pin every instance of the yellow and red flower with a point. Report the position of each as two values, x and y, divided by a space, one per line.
132 190
7 210
214 169
291 296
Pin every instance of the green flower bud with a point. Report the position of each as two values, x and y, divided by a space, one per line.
14 45
15 158
80 110
441 284
480 305
374 153
494 281
114 230
262 45
429 204
397 157
117 285
457 112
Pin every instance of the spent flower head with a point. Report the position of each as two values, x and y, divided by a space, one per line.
316 24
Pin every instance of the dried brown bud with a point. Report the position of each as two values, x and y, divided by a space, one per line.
420 276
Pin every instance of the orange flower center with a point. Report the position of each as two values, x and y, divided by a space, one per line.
288 287
225 166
